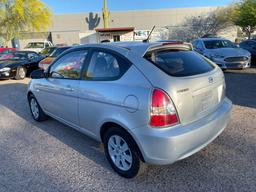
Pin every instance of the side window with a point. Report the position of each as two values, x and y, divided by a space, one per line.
106 66
195 44
47 45
32 55
69 66
200 45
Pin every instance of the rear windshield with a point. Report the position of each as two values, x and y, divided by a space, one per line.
179 63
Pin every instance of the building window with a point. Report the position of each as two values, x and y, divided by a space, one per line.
116 38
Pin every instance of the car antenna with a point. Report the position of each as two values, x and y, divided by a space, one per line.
147 40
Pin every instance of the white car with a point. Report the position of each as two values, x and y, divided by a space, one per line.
38 46
223 52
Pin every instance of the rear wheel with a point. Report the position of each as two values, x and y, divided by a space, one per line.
35 109
21 73
121 152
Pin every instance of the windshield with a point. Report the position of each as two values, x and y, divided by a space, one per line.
18 56
58 51
217 44
35 45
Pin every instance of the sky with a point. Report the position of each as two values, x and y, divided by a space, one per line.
79 6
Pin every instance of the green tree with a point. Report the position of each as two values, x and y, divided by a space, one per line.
244 15
17 16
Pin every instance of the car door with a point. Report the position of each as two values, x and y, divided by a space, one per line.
33 60
59 92
99 86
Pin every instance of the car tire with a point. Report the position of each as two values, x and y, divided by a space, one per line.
124 160
35 109
20 73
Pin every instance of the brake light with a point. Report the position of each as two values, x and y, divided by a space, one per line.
163 111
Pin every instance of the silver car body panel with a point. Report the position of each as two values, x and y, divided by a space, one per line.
87 105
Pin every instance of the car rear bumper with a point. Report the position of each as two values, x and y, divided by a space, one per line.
165 146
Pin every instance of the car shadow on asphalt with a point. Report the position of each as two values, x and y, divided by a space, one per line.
62 132
241 88
195 173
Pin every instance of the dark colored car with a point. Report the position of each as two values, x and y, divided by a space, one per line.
44 64
21 64
250 45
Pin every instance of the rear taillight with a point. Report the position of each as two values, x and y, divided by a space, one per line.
163 111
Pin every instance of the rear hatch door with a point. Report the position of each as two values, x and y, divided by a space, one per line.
195 85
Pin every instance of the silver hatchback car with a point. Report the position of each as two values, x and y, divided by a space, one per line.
151 103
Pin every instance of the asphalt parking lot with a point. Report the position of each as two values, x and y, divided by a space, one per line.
50 156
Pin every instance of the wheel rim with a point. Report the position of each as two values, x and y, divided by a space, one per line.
34 108
120 152
22 73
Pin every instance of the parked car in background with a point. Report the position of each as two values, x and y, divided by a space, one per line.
147 102
250 45
223 52
6 50
38 46
21 63
45 63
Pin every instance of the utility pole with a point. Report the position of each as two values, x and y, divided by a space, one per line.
105 14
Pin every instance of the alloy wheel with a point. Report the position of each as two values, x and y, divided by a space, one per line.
120 153
22 73
34 108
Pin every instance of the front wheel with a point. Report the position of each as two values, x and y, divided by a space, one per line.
21 73
120 150
35 109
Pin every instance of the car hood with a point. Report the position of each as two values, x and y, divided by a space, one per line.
7 63
229 52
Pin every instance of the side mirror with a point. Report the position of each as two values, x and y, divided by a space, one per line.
38 74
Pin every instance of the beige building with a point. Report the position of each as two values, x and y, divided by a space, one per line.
81 28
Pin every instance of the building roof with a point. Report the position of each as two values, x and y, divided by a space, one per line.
115 29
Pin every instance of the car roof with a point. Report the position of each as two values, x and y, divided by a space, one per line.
212 39
140 48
